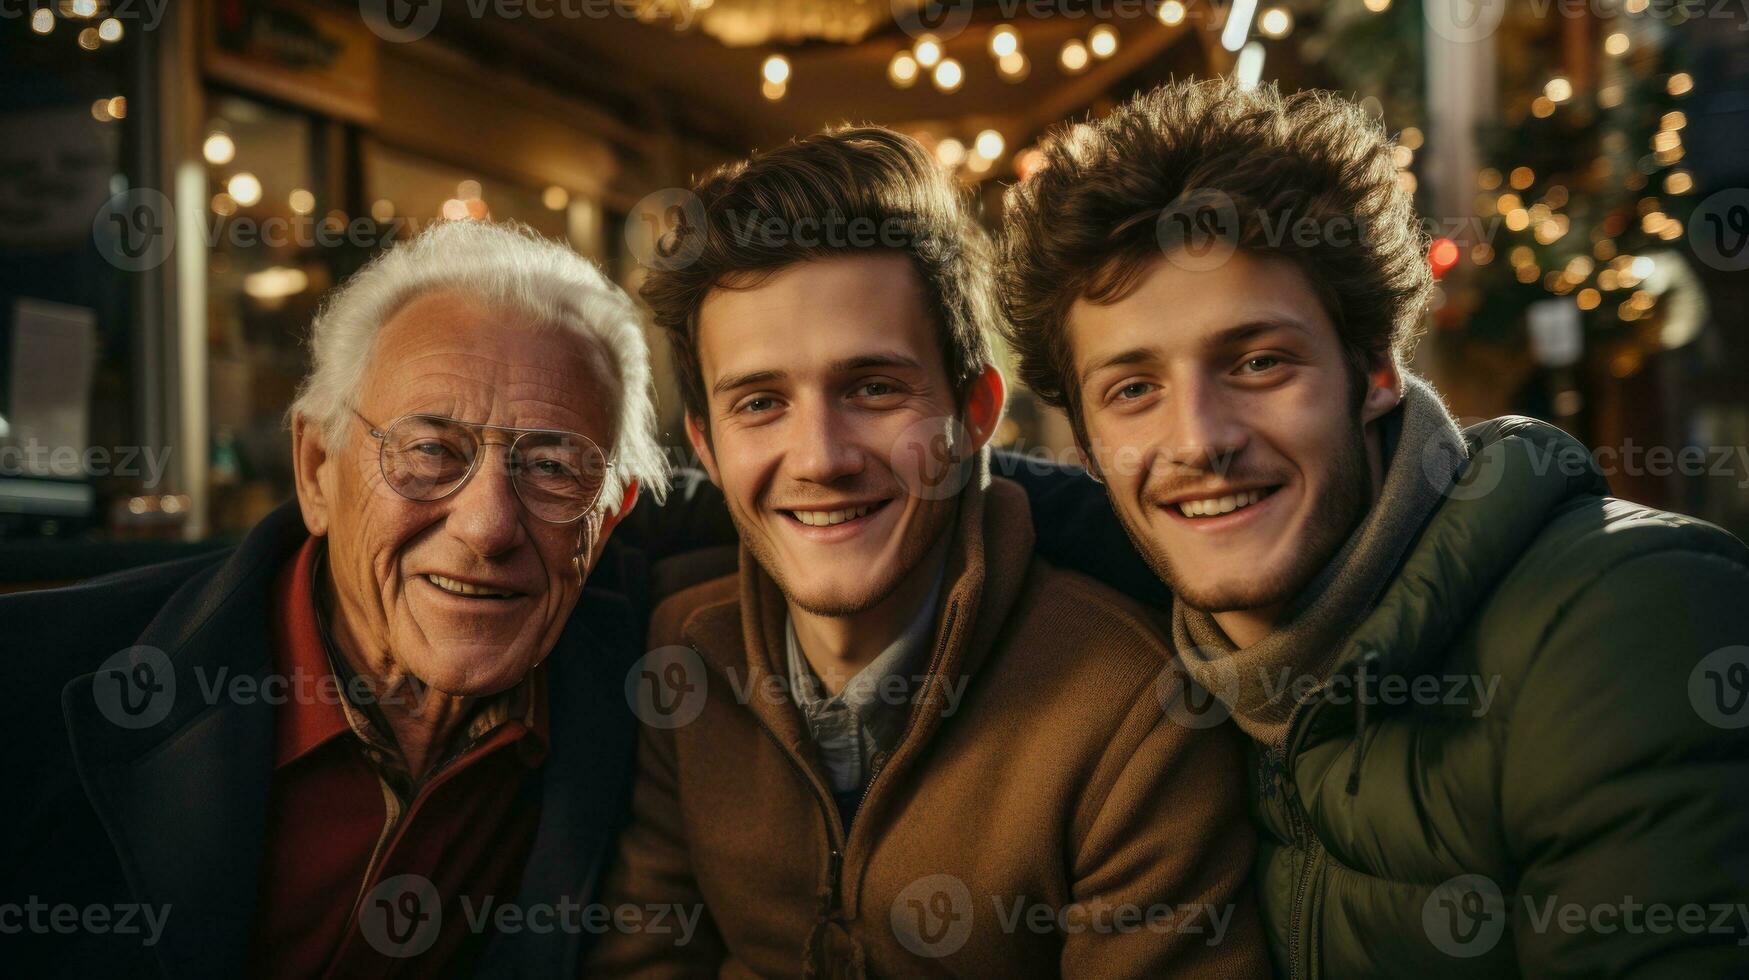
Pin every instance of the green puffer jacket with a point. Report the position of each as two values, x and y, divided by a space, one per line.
1533 757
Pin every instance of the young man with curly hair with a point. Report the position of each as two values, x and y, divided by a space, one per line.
1475 683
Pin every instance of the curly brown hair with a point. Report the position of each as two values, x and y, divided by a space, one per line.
1088 223
832 193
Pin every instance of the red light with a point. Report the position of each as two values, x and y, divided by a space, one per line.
1442 255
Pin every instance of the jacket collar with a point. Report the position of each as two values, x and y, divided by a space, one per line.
184 799
988 560
1520 471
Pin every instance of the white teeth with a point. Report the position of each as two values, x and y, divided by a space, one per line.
462 588
1215 506
827 518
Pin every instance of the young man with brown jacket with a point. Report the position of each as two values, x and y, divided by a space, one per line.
896 743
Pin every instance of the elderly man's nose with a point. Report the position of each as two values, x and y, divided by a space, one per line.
485 513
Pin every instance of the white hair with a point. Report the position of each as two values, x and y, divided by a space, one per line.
508 267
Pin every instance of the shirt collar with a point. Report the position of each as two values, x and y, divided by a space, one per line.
326 708
863 693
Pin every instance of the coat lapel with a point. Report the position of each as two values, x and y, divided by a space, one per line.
184 798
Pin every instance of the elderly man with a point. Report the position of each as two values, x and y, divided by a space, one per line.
372 738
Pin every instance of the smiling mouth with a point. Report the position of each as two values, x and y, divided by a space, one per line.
468 589
1227 504
831 518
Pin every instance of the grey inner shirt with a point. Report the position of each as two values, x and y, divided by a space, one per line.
868 716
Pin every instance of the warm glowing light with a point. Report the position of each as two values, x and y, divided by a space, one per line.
1238 25
100 111
1488 179
1442 255
1558 89
1609 96
109 30
773 90
1378 6
902 70
555 198
1411 138
245 188
383 210
84 8
223 205
218 149
468 190
1004 41
1678 182
1673 120
977 164
42 21
1171 13
454 209
950 152
1616 44
775 69
118 107
276 282
88 39
1542 107
1074 56
1523 177
1102 41
948 75
1589 298
302 201
1680 83
989 144
1014 67
928 50
1518 219
1276 22
1248 70
1402 156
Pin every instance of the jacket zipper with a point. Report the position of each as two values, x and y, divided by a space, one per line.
1303 837
934 663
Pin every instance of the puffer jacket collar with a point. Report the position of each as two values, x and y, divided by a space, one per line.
1520 471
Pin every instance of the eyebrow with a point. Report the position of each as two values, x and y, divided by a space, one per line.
1225 338
860 362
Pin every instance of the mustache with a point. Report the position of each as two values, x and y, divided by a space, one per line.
807 495
1168 481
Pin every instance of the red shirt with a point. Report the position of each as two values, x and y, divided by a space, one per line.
355 879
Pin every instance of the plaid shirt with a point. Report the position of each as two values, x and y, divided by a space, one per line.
857 728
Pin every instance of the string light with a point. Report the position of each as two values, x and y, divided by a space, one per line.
927 50
902 70
1102 41
1004 41
989 144
218 149
42 20
775 69
1171 13
1074 56
1276 22
948 75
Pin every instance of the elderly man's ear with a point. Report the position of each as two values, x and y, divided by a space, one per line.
314 473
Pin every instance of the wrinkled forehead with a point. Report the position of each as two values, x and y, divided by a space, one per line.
444 354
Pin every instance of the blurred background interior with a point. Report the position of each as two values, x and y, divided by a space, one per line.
183 181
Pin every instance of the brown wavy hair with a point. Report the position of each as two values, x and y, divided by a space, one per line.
1085 224
832 193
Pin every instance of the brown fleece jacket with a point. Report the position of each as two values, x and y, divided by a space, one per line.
1041 815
